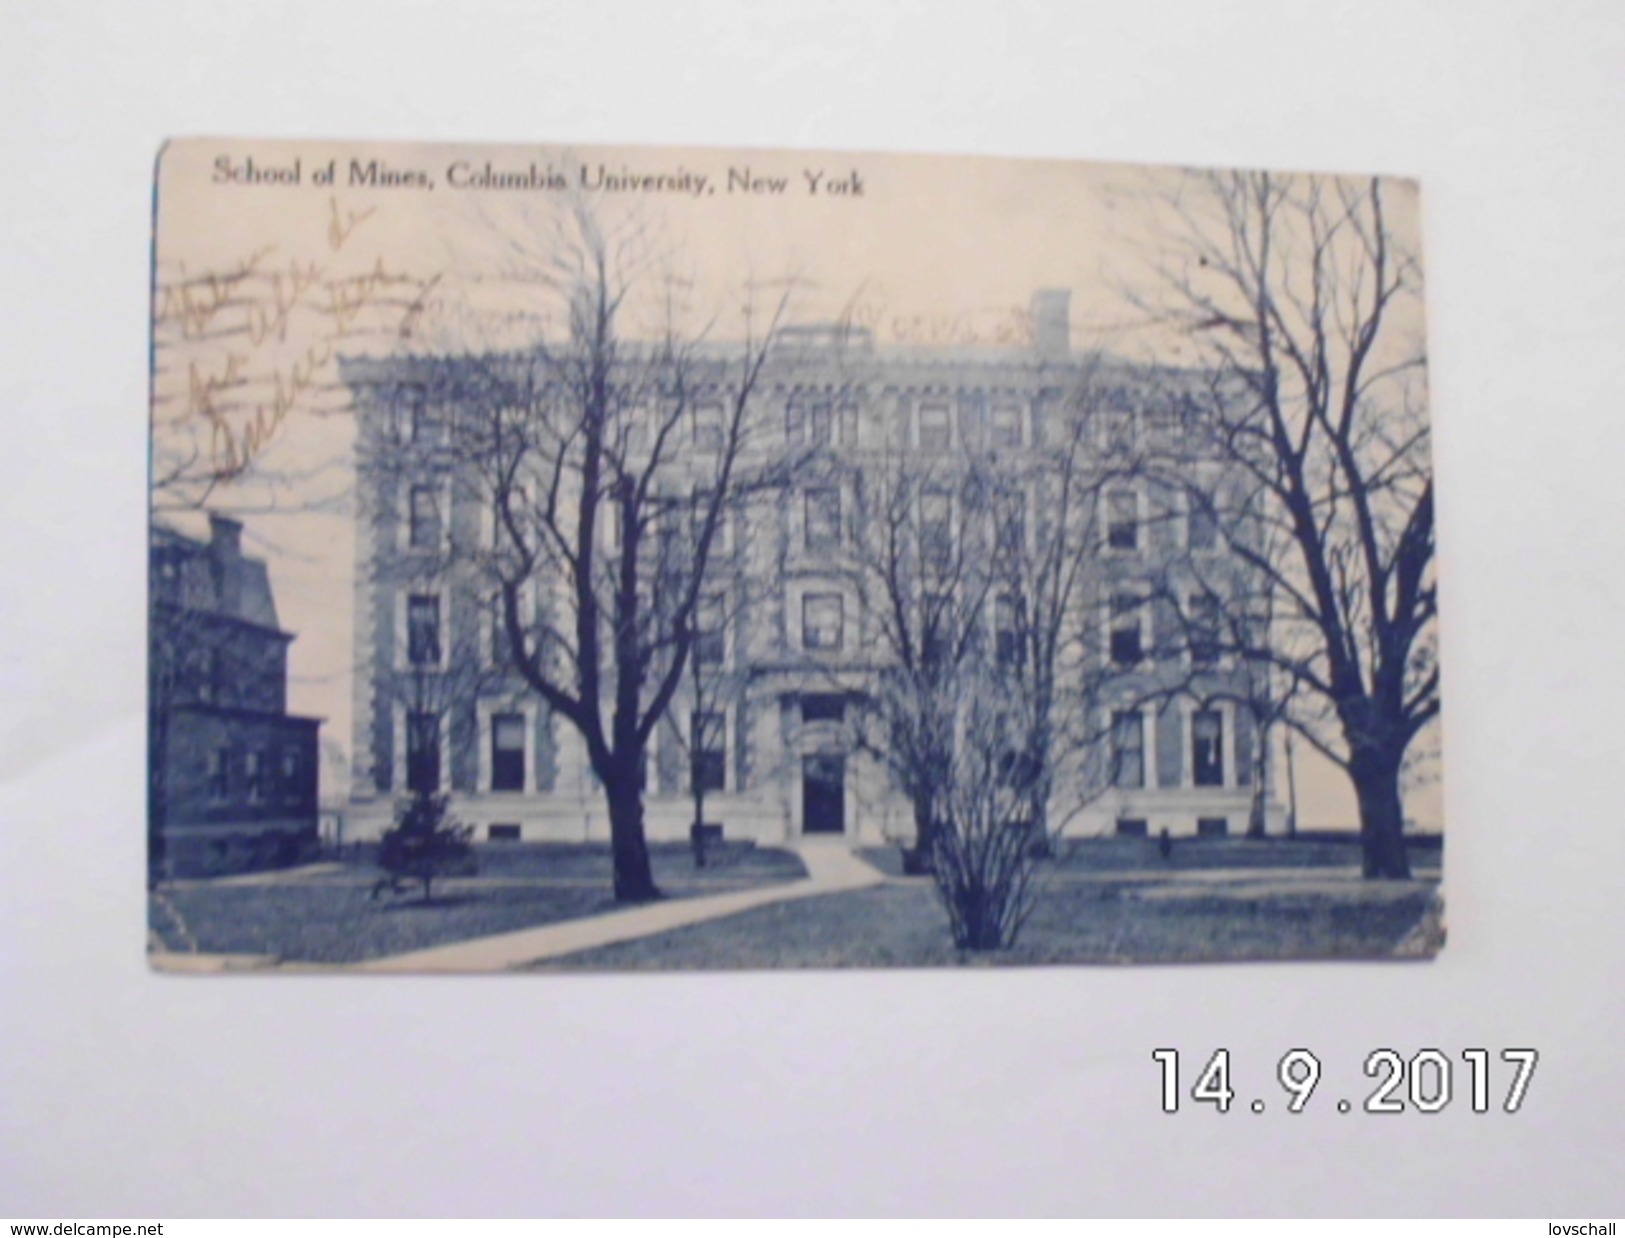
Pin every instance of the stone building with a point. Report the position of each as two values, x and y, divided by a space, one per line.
791 630
233 775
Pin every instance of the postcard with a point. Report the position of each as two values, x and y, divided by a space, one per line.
572 558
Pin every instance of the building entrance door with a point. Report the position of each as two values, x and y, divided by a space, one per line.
823 795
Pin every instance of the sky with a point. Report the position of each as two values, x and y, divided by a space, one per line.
275 259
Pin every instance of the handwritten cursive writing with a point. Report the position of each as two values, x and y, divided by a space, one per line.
196 302
349 296
341 225
235 445
414 311
203 386
260 336
287 289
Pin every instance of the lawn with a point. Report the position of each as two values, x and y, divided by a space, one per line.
1112 920
731 865
332 917
1088 856
1111 900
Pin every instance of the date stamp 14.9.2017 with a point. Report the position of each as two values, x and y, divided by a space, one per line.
1426 1081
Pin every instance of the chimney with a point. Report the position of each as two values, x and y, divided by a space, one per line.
1052 323
225 536
226 562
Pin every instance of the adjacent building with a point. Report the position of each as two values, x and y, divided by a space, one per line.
233 775
790 643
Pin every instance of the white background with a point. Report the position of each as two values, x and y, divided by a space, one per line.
133 1095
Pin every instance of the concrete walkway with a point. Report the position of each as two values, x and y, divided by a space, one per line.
831 869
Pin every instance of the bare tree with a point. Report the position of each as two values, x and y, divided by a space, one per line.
1303 297
607 465
924 586
1045 533
983 858
976 570
1214 607
714 679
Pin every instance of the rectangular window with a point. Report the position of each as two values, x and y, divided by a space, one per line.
428 423
821 428
507 752
1127 636
1201 524
502 833
220 775
423 753
254 776
1131 827
426 527
516 504
1205 629
1004 426
1010 523
501 646
267 686
822 620
288 780
409 404
846 423
937 528
823 518
823 707
710 630
1123 520
1207 748
1117 430
708 427
1162 422
1212 827
1194 419
658 526
1128 749
820 423
1009 629
709 737
213 677
423 629
936 427
638 420
699 509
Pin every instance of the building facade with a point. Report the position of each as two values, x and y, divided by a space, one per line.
804 618
233 775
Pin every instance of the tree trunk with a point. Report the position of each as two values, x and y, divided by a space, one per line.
1039 842
634 879
917 859
1382 814
1258 810
1291 790
697 830
925 827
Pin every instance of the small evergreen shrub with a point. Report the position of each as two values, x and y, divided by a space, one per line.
425 844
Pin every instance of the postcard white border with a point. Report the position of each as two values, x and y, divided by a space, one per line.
131 1094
